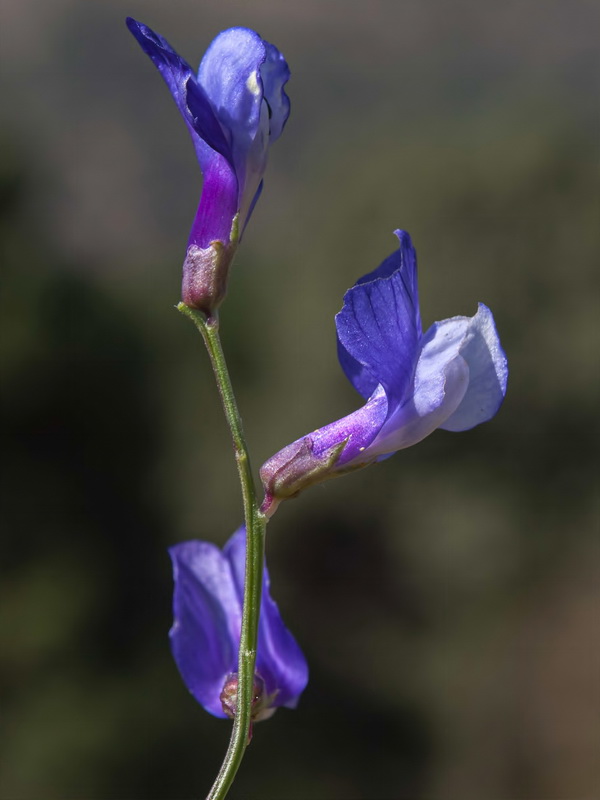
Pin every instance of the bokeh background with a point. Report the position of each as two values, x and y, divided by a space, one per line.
448 599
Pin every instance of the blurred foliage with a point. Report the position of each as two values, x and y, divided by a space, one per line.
447 599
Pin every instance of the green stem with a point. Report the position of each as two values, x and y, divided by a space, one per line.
255 538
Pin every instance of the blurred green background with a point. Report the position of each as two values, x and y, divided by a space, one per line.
448 599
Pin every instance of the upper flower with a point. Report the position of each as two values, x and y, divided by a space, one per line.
452 377
205 637
234 108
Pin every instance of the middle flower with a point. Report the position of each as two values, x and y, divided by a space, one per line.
452 377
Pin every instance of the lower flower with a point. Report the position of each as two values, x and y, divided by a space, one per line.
205 636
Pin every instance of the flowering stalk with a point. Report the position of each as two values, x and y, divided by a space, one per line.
255 527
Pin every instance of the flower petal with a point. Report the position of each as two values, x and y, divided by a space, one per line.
440 383
379 326
358 429
275 73
252 205
279 660
207 619
488 373
190 98
218 201
229 75
173 68
206 125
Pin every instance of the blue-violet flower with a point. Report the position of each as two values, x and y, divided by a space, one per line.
205 637
234 108
451 377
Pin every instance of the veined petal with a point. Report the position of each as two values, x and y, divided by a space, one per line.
279 660
488 373
207 619
405 259
379 326
190 98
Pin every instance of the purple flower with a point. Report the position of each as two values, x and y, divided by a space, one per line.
205 637
234 108
451 377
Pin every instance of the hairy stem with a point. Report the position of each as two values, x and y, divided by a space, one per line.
255 537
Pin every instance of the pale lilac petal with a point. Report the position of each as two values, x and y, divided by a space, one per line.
488 373
379 326
279 660
207 619
440 383
436 397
